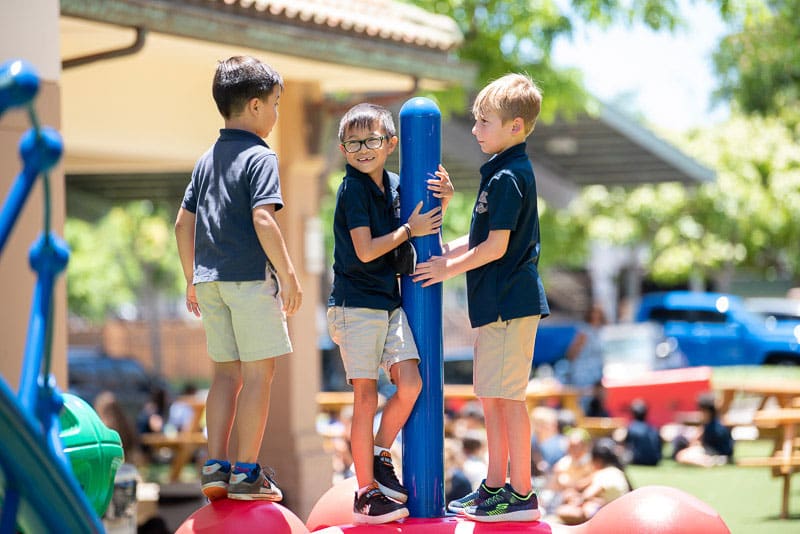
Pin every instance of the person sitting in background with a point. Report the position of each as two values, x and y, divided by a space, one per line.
594 404
548 445
473 444
571 471
641 440
712 445
607 482
456 482
181 413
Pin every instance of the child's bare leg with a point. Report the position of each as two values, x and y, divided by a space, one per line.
253 407
405 376
221 406
518 435
365 403
496 441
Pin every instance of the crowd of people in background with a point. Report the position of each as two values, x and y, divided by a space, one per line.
573 473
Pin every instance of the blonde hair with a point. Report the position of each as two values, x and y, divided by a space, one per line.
512 96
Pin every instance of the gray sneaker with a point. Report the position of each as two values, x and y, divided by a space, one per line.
254 485
214 477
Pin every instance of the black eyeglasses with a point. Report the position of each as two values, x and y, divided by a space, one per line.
372 143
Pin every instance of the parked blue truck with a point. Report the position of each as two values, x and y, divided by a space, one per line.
716 329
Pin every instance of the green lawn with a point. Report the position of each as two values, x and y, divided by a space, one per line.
747 498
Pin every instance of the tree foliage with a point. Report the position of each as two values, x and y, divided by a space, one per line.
113 261
758 63
747 219
502 36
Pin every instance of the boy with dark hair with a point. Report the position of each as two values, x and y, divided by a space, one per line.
239 274
505 294
364 314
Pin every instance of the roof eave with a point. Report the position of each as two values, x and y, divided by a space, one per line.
649 141
204 23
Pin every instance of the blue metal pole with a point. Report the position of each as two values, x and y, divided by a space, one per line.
423 434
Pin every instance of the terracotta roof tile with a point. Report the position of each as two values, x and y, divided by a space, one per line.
383 19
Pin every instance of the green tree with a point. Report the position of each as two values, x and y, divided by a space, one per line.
747 219
758 63
126 257
502 36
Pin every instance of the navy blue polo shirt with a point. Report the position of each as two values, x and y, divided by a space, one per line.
360 202
237 174
509 287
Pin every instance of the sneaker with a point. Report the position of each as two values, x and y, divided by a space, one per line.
471 499
373 507
383 471
505 505
253 485
214 477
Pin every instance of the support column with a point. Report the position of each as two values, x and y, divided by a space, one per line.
291 443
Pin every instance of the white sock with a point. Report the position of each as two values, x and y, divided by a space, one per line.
378 450
363 490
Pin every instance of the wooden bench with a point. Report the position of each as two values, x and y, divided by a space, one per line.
183 445
785 459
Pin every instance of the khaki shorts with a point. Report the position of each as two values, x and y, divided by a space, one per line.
503 358
369 339
243 321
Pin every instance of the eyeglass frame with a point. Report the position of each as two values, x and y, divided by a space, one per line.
363 143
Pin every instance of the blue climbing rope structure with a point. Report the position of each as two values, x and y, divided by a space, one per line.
38 491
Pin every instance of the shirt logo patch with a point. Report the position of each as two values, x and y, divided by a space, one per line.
482 205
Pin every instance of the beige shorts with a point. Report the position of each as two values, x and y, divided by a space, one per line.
503 358
243 321
370 339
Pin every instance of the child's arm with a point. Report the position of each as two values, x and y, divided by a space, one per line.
369 248
456 247
440 268
271 239
184 235
442 187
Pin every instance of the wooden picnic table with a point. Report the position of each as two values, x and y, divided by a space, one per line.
183 442
537 393
784 392
785 459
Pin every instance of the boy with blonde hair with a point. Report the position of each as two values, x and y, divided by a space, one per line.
505 294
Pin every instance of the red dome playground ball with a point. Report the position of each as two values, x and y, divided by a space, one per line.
655 510
228 516
335 507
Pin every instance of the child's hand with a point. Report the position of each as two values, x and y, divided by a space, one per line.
431 272
441 185
291 294
191 300
425 223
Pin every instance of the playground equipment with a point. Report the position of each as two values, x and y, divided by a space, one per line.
423 433
654 510
38 489
228 516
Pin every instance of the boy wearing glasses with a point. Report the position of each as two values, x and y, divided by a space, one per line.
364 314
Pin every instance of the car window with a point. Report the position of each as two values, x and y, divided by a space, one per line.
663 315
